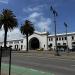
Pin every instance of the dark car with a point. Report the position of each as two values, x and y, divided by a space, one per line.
73 49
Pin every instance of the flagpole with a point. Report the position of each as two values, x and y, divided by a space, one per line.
66 36
55 14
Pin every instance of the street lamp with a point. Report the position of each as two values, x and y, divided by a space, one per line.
65 24
55 14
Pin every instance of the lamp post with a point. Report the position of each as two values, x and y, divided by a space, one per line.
55 14
65 24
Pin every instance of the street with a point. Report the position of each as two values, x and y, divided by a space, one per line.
56 66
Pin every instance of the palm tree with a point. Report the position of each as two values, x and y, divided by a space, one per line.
8 21
27 29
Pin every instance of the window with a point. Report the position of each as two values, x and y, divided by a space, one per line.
21 41
59 38
72 37
21 46
16 41
10 42
50 45
15 46
59 44
62 38
44 45
73 42
51 39
64 43
65 38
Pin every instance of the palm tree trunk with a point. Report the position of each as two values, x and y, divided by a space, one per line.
5 37
27 42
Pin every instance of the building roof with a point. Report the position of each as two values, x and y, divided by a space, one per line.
61 34
36 32
19 37
40 33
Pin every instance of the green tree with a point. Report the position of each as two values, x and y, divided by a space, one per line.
27 29
8 21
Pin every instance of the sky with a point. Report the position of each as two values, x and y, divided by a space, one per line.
39 13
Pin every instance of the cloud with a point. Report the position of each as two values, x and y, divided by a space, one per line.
34 15
4 1
11 35
30 9
44 24
33 9
40 23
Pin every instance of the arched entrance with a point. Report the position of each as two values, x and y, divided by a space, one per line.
34 43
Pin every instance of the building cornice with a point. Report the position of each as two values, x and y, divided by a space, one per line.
62 34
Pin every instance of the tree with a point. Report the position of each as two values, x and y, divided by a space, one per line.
27 29
8 21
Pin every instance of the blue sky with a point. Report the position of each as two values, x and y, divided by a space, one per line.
38 12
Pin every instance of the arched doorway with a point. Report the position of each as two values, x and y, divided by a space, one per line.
34 43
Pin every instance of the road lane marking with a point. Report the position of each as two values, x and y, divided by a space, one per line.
73 65
47 58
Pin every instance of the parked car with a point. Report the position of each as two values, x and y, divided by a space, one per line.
73 49
61 49
41 49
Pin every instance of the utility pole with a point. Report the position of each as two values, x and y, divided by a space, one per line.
55 14
65 24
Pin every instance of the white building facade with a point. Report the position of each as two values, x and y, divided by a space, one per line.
42 40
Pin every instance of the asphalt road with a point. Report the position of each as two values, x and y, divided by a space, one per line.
54 65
